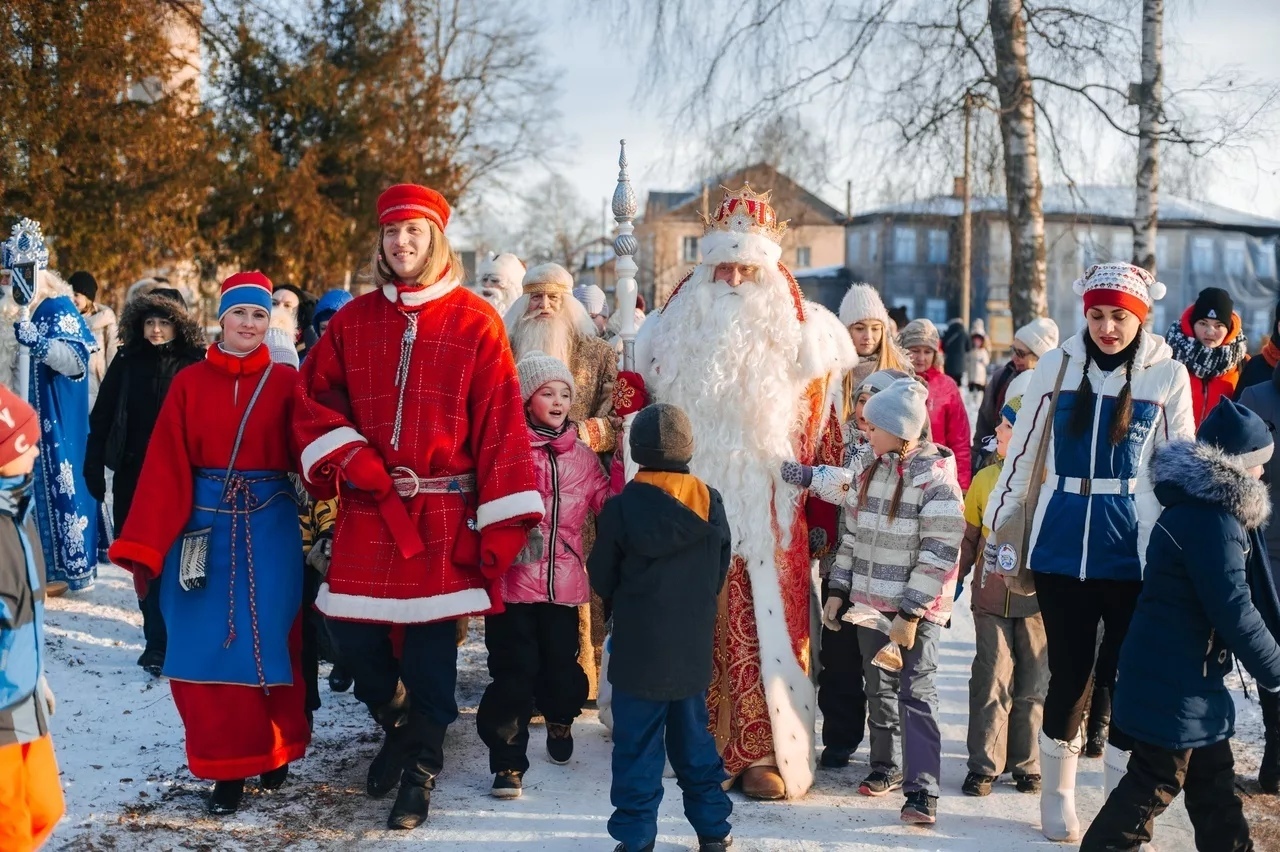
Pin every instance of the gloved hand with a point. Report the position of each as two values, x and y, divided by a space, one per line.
903 631
795 473
831 612
818 545
28 334
535 547
321 553
50 703
368 472
498 547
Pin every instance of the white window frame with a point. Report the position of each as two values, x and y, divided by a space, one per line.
685 243
1233 257
804 257
1203 259
904 235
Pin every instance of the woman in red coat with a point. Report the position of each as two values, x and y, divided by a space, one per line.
222 522
1209 340
948 419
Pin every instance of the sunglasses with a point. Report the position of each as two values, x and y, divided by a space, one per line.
1021 353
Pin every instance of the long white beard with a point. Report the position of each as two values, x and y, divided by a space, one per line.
729 358
553 335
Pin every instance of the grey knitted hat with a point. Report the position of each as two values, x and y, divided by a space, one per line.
899 409
878 381
919 332
662 438
538 368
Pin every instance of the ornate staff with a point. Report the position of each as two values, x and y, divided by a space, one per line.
24 255
624 246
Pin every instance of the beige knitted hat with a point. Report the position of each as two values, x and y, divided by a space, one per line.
538 368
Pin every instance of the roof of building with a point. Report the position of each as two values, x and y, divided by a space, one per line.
1092 202
687 203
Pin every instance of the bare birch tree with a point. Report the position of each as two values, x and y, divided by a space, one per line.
1150 105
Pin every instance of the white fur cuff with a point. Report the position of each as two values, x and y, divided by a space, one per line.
739 247
506 508
326 445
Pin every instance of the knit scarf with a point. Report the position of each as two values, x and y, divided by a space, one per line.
546 431
1202 361
1271 352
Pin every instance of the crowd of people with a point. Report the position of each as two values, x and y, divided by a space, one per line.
352 479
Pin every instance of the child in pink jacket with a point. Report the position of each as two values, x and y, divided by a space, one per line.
533 645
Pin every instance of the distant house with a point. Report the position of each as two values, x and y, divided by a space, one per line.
669 230
910 252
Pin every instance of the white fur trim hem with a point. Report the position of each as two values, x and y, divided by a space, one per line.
422 295
324 446
401 611
739 247
511 506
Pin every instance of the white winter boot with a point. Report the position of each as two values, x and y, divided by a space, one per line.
1115 763
1058 759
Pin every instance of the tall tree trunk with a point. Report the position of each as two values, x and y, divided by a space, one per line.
1150 108
1021 162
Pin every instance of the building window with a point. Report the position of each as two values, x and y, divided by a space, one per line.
904 245
689 250
935 310
1233 258
873 246
853 249
803 256
1264 258
1122 246
937 246
1202 255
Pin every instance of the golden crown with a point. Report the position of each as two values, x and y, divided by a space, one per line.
745 212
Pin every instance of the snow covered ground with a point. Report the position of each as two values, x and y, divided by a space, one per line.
119 743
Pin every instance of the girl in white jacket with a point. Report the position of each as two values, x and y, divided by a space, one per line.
1122 396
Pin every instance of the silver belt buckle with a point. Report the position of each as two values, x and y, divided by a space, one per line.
407 473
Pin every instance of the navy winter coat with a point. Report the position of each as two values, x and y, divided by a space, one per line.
1196 609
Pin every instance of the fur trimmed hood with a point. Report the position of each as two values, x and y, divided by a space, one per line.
186 330
1203 472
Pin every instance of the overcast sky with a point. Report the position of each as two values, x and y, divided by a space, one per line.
599 103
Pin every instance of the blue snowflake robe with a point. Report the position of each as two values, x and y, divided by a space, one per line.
68 518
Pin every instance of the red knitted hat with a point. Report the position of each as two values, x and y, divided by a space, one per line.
19 426
410 201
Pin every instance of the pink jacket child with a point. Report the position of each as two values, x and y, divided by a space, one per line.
572 483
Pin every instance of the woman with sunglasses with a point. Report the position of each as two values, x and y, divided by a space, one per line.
1032 340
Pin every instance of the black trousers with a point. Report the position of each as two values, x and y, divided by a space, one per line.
1072 609
312 627
1206 776
841 696
154 634
533 657
428 666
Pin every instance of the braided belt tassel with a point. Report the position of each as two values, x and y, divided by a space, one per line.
402 373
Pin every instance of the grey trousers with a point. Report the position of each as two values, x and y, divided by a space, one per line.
1006 695
902 709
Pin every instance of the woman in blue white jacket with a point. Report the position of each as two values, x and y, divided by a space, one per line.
1122 396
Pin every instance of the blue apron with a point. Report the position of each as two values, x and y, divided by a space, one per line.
236 629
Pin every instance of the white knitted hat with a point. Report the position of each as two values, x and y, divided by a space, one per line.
1040 335
862 302
538 368
592 298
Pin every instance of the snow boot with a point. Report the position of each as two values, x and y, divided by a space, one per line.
225 798
152 661
339 679
419 776
1115 763
714 844
1099 722
1269 771
274 779
559 743
1058 761
384 769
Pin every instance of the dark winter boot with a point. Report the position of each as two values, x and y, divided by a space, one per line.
419 776
1269 771
1099 721
384 769
274 779
339 679
225 798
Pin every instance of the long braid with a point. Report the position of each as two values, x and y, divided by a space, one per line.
865 485
1123 414
1082 411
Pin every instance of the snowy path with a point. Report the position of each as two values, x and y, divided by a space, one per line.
119 744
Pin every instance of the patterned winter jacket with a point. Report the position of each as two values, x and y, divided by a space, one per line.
572 483
909 563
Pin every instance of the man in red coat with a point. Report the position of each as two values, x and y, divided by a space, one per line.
410 407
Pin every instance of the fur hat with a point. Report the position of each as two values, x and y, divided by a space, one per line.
899 409
506 267
1040 335
1213 303
1238 432
1121 285
592 298
85 284
919 332
548 278
662 438
862 302
164 302
537 369
19 426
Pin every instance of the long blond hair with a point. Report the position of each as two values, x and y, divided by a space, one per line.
889 356
441 258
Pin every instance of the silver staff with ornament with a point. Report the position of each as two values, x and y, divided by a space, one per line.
624 246
24 256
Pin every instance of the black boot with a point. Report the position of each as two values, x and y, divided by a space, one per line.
225 798
419 777
1099 721
274 779
1269 771
339 680
384 769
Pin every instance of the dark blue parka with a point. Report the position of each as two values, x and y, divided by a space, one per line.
1196 609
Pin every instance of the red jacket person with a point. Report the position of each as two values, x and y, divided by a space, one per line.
410 406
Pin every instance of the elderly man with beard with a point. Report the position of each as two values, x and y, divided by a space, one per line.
756 369
498 280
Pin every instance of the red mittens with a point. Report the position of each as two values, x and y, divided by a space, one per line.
629 394
498 548
367 471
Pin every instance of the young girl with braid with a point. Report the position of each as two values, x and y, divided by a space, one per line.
1123 395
